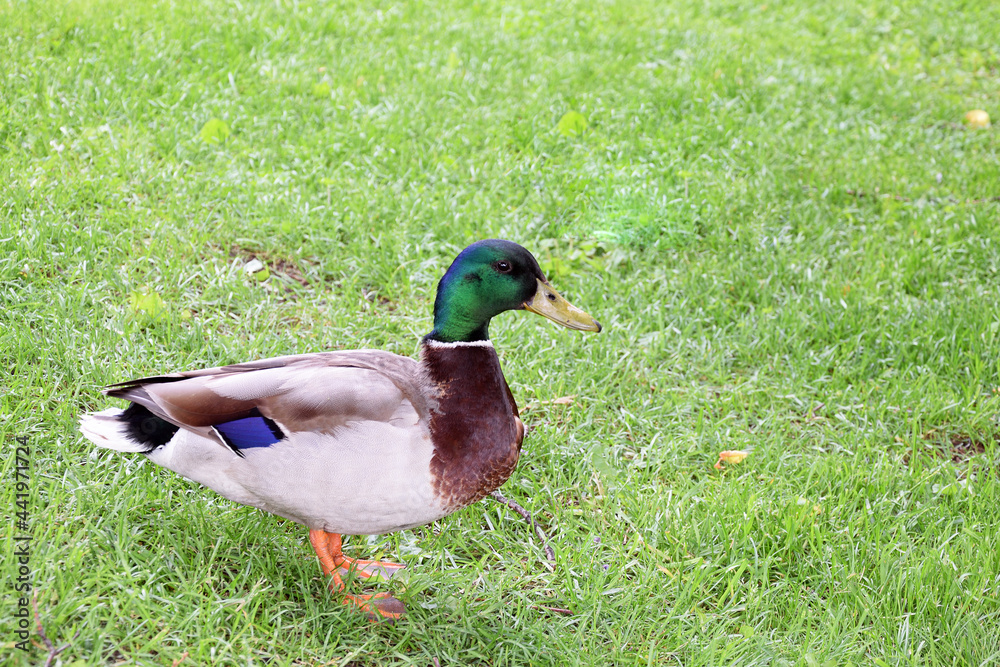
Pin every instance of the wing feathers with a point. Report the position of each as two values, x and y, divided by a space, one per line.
313 392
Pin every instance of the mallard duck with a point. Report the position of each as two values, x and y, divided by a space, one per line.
356 442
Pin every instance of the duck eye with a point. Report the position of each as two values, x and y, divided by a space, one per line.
503 266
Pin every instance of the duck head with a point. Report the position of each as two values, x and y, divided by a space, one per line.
490 277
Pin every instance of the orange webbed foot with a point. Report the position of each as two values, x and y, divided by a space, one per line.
368 568
378 606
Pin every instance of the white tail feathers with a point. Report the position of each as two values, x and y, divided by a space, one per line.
105 430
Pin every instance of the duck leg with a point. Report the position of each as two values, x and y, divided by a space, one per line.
379 606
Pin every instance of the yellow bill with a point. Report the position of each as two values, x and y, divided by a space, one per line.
549 303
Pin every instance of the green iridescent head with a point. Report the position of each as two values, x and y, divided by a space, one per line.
488 278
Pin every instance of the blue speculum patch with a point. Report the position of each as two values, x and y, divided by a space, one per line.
250 432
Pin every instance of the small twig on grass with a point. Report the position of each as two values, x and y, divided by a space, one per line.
53 651
556 610
549 551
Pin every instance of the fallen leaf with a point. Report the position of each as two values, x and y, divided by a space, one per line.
731 456
214 131
147 304
977 119
573 123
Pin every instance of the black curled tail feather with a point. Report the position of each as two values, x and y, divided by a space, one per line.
145 428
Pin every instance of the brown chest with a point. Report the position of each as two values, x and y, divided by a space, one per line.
475 427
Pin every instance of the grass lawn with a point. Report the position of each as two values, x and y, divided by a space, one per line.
773 207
